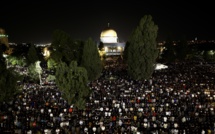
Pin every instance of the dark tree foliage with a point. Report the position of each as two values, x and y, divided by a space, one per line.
208 55
39 51
142 49
91 60
32 55
101 46
8 80
20 50
63 48
202 51
3 47
8 85
125 53
72 82
78 50
2 59
32 72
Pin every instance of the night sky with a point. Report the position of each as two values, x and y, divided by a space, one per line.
34 22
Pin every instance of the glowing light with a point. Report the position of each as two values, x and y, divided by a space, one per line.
106 49
160 66
211 52
108 36
46 52
109 39
3 35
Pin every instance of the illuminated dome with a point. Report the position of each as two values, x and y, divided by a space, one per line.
108 36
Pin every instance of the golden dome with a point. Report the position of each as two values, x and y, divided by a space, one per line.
108 33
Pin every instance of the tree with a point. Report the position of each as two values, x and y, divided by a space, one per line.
78 50
125 52
8 79
51 64
2 59
101 46
32 55
50 78
91 60
20 50
63 47
34 71
8 85
208 55
72 82
142 49
38 70
13 60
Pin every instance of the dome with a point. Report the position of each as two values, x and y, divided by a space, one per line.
108 33
108 36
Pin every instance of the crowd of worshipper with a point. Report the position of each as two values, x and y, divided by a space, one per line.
176 100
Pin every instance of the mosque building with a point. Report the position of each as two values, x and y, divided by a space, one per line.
111 43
